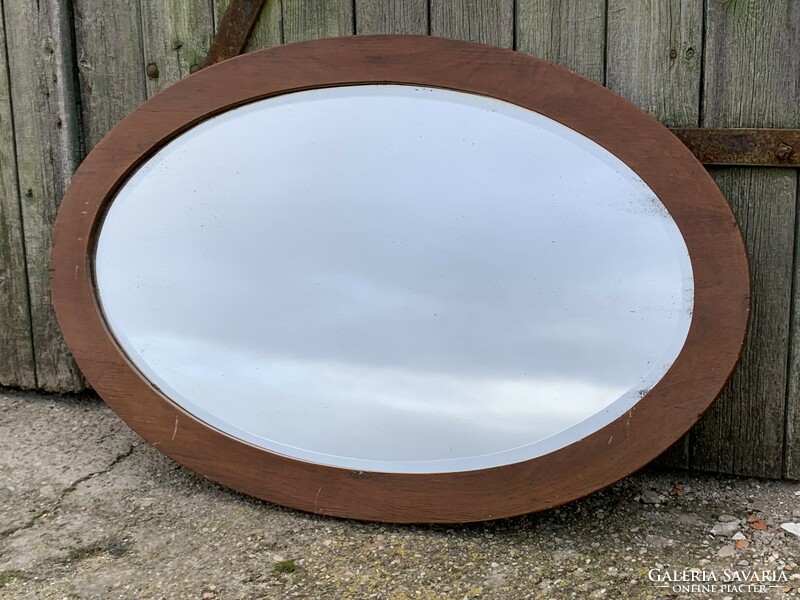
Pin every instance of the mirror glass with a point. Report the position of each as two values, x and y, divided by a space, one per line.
394 278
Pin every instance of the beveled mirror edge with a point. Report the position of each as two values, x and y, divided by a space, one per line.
248 430
667 411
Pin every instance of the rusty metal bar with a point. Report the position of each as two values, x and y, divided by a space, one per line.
234 30
745 147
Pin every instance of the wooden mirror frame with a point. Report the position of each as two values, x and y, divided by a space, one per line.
666 412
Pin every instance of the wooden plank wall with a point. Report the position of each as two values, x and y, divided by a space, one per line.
752 79
45 119
73 68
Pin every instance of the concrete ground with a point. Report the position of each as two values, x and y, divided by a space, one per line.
87 510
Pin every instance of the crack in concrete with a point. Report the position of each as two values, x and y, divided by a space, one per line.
67 491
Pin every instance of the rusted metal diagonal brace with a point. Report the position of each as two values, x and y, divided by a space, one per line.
741 147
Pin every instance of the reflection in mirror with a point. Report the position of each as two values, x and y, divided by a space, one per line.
394 278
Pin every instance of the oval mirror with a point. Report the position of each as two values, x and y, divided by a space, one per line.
400 279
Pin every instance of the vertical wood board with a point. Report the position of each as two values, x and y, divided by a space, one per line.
485 21
313 20
48 147
110 62
176 36
392 16
17 365
752 78
743 432
655 56
791 449
568 33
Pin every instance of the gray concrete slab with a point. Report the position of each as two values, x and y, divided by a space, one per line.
87 510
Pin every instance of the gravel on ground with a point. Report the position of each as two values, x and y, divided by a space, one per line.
88 510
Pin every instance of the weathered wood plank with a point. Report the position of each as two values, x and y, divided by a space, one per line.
17 365
485 21
176 37
392 16
654 57
571 34
791 466
47 135
743 432
752 75
311 20
112 70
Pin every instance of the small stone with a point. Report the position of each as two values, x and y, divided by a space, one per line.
117 548
738 536
793 528
650 497
277 558
726 552
725 529
727 518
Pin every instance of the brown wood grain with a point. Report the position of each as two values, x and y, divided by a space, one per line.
667 411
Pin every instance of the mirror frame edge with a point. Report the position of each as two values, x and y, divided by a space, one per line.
686 391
